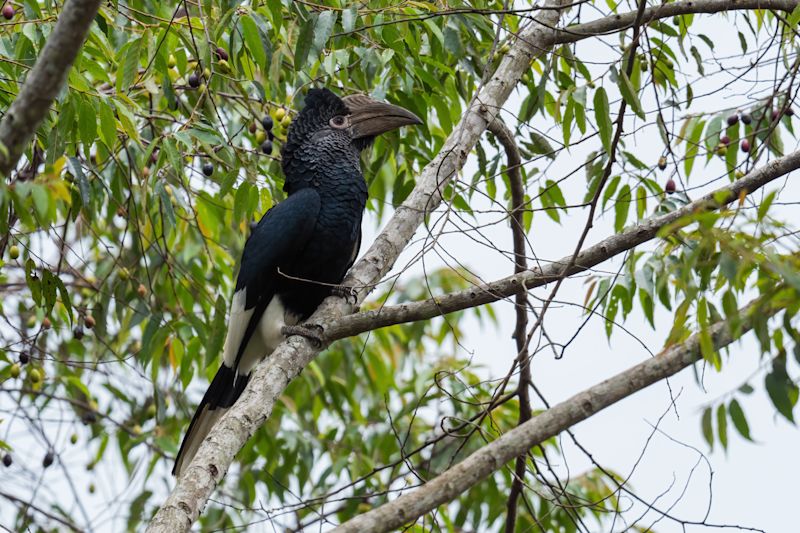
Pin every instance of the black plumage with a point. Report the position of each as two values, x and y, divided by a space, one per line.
302 246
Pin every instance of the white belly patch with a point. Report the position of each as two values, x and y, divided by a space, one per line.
265 338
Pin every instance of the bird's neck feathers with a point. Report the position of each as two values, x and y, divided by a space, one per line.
316 156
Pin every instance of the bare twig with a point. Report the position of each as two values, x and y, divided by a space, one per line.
506 138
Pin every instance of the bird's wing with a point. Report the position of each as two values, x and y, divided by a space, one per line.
279 236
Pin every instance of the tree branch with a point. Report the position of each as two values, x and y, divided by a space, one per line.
354 324
615 23
550 423
506 138
45 80
271 377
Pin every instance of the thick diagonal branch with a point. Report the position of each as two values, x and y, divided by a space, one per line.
550 423
45 80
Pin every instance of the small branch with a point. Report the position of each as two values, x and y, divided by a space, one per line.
41 511
481 464
506 138
354 324
615 23
45 80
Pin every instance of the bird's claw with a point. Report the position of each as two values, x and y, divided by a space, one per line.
313 332
348 293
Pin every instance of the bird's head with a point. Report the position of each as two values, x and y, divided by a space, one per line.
351 123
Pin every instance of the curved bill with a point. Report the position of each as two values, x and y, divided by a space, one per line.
370 117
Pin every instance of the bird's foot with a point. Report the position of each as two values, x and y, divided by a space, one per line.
313 332
348 293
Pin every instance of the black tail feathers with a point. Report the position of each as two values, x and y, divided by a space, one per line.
224 390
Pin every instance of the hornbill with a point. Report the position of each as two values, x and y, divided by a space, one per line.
302 247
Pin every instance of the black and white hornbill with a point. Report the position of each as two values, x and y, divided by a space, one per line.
312 237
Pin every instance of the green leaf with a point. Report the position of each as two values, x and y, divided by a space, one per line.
87 123
629 94
621 207
253 41
304 40
128 65
322 31
641 201
540 145
722 425
739 420
108 125
349 19
693 143
708 430
765 205
41 201
602 117
778 389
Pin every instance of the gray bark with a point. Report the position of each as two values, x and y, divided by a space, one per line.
45 80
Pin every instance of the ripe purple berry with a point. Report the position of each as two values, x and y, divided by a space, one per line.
733 119
221 53
194 81
745 146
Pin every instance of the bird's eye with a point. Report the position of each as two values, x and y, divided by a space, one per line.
338 122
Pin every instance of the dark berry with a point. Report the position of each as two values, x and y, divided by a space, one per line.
221 53
7 460
725 140
252 127
78 333
48 459
266 147
733 119
208 169
789 112
24 358
775 115
662 162
8 11
267 122
745 146
746 119
669 188
194 81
